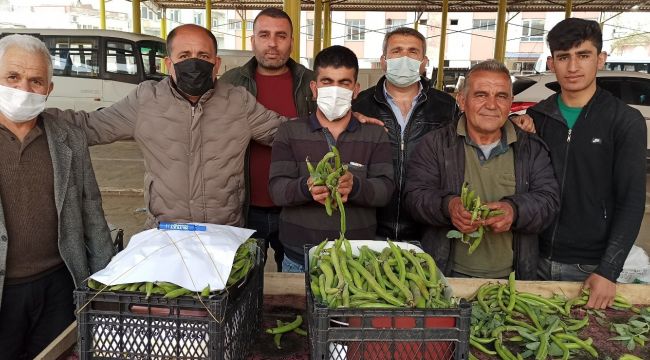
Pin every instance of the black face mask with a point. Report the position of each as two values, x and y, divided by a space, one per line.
194 76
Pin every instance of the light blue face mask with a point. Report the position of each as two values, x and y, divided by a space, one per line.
403 71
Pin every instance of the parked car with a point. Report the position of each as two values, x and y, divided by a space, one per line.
631 87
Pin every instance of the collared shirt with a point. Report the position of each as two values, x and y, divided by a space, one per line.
315 125
30 216
508 137
402 120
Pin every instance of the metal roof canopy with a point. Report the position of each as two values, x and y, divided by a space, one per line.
417 5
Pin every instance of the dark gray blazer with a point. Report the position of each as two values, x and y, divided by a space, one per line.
84 238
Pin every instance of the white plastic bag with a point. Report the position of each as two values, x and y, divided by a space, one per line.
191 259
636 267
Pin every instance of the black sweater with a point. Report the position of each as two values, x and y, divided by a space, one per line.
600 166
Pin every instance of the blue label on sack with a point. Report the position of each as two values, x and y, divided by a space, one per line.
181 227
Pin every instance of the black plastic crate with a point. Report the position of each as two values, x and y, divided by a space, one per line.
114 325
387 334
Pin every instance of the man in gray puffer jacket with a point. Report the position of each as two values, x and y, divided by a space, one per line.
508 168
193 132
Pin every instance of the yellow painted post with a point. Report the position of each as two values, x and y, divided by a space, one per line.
327 24
416 23
163 34
244 23
567 8
163 23
208 14
443 41
500 46
292 8
102 14
318 23
135 12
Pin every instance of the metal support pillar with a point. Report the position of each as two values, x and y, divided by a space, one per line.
443 42
163 23
292 7
244 24
318 25
327 24
102 14
500 46
208 14
567 8
135 12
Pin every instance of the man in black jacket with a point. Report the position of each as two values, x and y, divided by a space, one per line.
409 108
597 147
508 168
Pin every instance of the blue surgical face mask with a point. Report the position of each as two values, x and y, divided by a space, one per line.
403 71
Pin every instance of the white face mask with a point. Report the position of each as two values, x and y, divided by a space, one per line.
20 106
403 71
334 102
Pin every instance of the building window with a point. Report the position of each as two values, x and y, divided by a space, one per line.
235 24
484 24
175 15
453 22
146 13
198 19
532 30
310 29
392 24
355 29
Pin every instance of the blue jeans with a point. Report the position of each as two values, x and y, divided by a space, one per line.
557 271
291 266
265 223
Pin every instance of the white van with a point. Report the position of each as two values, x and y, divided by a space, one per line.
95 68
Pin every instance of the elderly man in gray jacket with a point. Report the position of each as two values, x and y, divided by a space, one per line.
508 168
52 229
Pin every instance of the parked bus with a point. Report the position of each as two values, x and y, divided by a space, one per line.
95 68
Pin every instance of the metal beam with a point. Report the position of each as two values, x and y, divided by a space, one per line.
292 8
318 24
135 12
440 78
419 5
500 46
102 14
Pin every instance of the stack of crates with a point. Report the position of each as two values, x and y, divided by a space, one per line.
114 325
387 334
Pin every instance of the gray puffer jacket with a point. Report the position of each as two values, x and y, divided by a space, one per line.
193 155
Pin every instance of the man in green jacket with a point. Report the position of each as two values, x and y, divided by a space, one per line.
281 85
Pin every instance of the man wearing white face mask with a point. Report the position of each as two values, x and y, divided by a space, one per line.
368 184
52 229
409 108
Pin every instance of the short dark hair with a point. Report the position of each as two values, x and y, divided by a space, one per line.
337 56
405 31
572 32
172 34
274 13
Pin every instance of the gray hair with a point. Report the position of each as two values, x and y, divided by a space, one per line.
30 44
490 65
405 31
